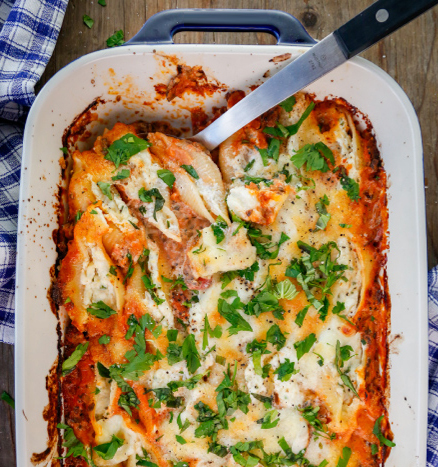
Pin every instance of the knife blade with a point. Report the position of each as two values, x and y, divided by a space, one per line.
373 24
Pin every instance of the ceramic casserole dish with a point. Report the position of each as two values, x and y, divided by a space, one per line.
124 80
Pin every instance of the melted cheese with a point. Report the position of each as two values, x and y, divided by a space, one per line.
274 209
234 252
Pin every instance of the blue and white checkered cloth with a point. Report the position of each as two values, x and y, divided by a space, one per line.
432 442
28 33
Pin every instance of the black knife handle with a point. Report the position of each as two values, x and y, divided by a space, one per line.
376 22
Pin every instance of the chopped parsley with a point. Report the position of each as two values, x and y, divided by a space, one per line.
151 288
286 370
121 175
124 148
321 209
247 274
288 103
8 399
276 337
138 327
310 414
313 157
78 216
167 177
317 272
343 354
108 450
130 270
345 226
74 447
230 312
282 131
105 188
103 340
249 165
269 420
343 460
337 311
210 422
229 398
88 21
190 353
256 349
351 187
304 346
147 196
301 315
101 310
208 331
219 229
191 171
271 152
175 282
378 433
118 38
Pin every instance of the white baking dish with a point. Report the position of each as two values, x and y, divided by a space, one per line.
128 70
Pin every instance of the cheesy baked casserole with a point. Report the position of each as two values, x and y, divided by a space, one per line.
229 313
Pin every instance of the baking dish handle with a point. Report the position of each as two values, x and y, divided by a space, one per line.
161 27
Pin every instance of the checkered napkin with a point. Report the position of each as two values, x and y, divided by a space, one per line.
432 442
28 33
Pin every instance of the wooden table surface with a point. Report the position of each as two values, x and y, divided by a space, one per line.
410 56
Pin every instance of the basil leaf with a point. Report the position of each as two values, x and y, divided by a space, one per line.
313 157
285 290
105 188
118 38
190 353
108 450
8 399
288 103
104 339
321 209
101 310
124 173
172 335
303 347
343 460
351 187
167 177
69 364
180 439
249 165
147 197
230 313
124 148
301 315
88 21
285 370
377 431
276 337
103 370
219 229
74 447
293 129
191 171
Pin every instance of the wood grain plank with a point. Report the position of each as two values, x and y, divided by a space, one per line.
7 416
410 56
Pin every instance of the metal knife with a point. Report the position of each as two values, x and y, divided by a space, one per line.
364 30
